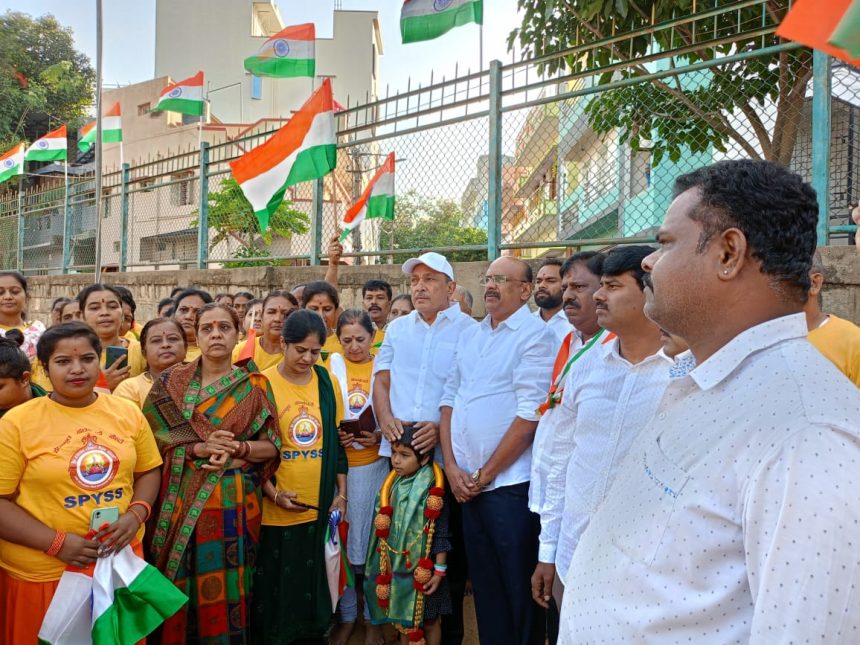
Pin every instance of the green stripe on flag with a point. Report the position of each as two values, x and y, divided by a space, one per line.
847 32
138 609
430 26
380 206
281 67
112 136
8 174
46 155
183 106
312 163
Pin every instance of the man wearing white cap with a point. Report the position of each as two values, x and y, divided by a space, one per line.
409 377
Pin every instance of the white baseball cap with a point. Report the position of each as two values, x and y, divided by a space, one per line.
435 261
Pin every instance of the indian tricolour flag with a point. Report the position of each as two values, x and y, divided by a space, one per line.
111 129
304 149
428 19
185 96
290 52
119 600
12 163
377 200
51 147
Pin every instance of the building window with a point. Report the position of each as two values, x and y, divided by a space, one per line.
144 108
256 87
182 190
116 246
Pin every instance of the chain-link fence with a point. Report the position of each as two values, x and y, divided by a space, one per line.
577 149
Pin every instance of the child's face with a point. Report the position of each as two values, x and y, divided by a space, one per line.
404 460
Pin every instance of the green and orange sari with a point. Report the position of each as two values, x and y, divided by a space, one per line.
206 525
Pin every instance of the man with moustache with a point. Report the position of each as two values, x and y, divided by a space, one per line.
734 517
499 377
548 297
580 279
610 395
376 299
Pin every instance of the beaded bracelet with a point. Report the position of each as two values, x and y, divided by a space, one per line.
440 569
57 544
146 506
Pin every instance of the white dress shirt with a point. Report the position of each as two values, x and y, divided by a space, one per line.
607 402
419 357
498 374
734 517
545 431
559 324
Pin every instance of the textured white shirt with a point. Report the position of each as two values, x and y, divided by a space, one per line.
607 402
543 437
559 324
735 516
419 357
498 374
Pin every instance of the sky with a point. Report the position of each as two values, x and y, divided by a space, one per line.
129 36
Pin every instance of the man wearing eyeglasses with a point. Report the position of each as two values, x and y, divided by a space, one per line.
499 377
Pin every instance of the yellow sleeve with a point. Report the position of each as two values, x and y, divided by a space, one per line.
39 376
11 459
338 397
237 350
148 456
128 389
135 359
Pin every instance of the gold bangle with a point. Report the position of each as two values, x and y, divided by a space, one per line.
343 498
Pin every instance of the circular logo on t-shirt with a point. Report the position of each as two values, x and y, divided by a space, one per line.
357 399
175 93
94 466
441 5
305 429
282 48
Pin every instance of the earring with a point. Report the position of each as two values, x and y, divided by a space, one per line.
725 272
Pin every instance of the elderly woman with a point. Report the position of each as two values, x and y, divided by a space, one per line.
163 343
216 427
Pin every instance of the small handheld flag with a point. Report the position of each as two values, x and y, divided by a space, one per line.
51 147
288 53
185 97
377 200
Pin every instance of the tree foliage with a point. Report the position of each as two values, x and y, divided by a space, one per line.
755 104
231 216
424 223
44 81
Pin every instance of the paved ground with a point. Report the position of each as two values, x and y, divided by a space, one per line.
471 628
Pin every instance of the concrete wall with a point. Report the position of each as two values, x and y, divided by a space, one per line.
841 295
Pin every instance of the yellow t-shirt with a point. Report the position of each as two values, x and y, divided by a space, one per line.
839 341
378 337
135 358
66 462
135 389
358 392
332 345
302 445
262 359
192 352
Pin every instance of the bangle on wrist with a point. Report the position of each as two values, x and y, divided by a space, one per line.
56 544
343 498
146 507
140 520
275 499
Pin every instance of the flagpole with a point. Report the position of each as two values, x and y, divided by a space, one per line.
97 262
481 47
66 214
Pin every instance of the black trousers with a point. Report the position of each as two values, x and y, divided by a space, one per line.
501 535
458 572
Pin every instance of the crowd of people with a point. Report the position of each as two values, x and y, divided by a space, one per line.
663 450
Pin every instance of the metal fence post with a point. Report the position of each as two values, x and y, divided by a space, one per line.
203 209
494 193
67 228
821 92
20 254
123 222
316 222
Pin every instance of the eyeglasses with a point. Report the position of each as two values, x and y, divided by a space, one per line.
497 279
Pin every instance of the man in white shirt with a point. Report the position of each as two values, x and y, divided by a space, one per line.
734 517
409 377
499 378
610 394
548 297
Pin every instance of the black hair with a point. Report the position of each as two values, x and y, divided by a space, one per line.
593 261
19 277
527 269
425 456
127 297
191 291
315 288
144 333
245 294
164 302
627 259
62 301
408 298
286 295
774 208
13 360
355 316
376 285
86 292
301 324
209 306
256 301
177 290
53 335
552 262
223 294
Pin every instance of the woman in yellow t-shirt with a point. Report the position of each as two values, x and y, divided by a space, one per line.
322 298
13 300
266 350
101 309
367 470
63 456
291 597
163 343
